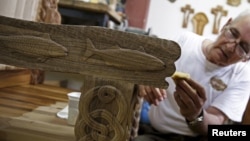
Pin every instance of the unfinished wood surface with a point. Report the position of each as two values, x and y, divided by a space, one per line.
28 113
27 97
9 67
37 125
14 77
96 51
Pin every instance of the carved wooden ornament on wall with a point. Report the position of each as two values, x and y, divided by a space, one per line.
218 14
234 2
187 10
199 22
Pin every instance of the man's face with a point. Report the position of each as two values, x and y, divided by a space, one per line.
233 44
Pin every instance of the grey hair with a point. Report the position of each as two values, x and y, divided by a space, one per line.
242 15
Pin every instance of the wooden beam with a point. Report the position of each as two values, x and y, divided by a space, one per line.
88 50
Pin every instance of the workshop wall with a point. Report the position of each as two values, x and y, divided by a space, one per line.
166 18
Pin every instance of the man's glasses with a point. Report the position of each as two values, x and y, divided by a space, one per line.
241 48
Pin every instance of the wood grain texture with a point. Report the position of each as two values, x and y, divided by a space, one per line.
14 77
28 113
38 125
25 44
27 97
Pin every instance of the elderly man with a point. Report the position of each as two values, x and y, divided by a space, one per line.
217 91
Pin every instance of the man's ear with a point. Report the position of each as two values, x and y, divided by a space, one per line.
227 23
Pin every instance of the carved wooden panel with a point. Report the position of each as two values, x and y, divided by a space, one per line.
97 51
106 110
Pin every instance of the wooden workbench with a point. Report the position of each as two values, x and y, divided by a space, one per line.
28 112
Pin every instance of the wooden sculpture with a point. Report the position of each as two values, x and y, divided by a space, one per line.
199 22
111 63
218 14
48 12
187 10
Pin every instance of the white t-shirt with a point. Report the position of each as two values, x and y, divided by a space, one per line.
166 117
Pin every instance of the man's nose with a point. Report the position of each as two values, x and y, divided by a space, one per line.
232 45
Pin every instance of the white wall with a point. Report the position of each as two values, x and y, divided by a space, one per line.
21 9
165 18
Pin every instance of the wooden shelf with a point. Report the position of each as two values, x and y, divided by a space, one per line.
91 7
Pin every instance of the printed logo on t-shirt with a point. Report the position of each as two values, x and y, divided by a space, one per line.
218 84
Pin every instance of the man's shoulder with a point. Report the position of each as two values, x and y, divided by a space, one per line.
187 34
242 69
190 34
188 37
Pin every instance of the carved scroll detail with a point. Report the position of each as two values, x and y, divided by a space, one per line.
187 10
218 13
97 122
199 21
